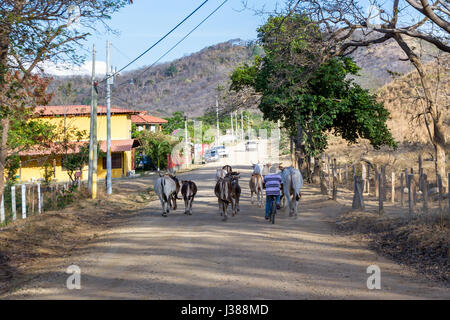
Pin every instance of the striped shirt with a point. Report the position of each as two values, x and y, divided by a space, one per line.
273 184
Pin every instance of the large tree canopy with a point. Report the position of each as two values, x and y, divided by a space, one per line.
305 91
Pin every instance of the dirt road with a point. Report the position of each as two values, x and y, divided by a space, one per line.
201 257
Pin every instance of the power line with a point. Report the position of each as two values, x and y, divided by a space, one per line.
161 39
180 41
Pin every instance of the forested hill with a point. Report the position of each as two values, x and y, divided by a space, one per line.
189 83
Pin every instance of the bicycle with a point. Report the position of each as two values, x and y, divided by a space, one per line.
273 209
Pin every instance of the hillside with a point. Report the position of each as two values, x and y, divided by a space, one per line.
400 97
189 83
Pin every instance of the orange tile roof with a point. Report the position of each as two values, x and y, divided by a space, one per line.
143 118
72 110
56 148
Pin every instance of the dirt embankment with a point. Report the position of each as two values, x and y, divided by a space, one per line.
420 242
28 246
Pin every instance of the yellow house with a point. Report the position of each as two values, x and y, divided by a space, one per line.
33 162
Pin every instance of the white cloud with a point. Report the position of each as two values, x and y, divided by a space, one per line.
65 69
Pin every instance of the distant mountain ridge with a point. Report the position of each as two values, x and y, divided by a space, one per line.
189 84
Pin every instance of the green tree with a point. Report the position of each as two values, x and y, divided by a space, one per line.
311 96
176 121
156 146
33 32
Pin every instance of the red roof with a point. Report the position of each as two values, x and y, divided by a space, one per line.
120 145
48 111
143 118
116 146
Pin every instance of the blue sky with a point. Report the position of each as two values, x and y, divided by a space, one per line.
141 24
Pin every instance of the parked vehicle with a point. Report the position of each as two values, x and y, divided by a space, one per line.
211 155
143 162
251 145
221 150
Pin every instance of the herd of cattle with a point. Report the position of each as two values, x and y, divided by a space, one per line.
228 190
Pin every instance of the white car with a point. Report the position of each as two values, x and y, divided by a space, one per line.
251 145
211 155
221 150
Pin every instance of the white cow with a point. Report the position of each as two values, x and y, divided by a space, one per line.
292 183
167 188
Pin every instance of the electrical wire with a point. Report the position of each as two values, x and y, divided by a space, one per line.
174 46
157 42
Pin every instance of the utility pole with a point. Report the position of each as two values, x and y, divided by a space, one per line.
279 130
249 129
217 115
92 173
108 121
186 147
236 128
232 129
242 126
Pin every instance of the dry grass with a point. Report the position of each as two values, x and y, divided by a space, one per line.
31 244
422 242
400 98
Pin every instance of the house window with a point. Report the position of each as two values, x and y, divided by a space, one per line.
116 161
153 128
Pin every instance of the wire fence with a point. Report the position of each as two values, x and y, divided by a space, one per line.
407 188
20 201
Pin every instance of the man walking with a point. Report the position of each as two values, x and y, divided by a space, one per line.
272 184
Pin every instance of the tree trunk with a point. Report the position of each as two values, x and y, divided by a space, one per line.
3 153
439 142
316 171
300 151
293 163
438 138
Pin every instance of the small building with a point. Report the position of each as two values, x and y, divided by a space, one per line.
34 161
143 121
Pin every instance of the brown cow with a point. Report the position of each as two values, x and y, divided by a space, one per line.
188 191
228 191
256 186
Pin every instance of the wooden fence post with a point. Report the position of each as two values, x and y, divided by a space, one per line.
13 203
329 175
448 192
410 200
2 209
358 199
346 174
55 196
32 198
340 175
383 182
393 187
368 179
39 198
364 176
334 194
380 194
420 173
24 201
439 183
425 192
377 183
401 190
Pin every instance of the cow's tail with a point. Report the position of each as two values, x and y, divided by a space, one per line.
297 196
163 183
